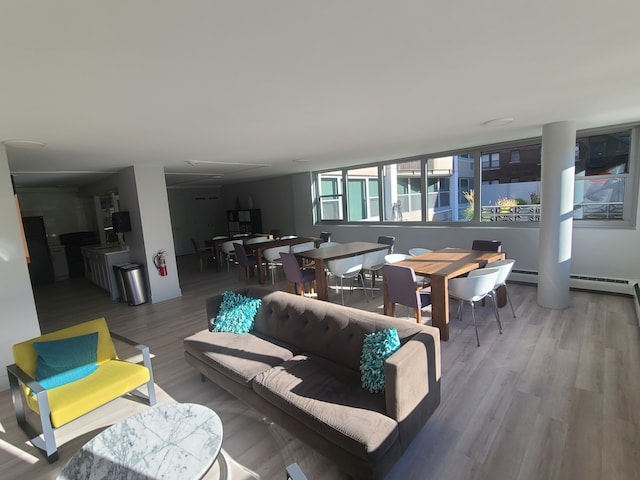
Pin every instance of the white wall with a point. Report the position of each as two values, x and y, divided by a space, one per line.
19 319
196 213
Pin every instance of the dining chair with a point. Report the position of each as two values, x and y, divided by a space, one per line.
387 240
228 249
372 263
245 260
404 288
273 260
346 268
251 241
203 255
297 274
418 251
505 267
479 284
399 257
301 247
325 236
487 245
288 237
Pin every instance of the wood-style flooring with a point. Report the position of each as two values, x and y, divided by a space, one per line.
557 396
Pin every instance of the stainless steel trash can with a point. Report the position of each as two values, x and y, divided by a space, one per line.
134 285
117 271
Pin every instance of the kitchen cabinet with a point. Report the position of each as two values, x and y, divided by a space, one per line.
244 221
98 266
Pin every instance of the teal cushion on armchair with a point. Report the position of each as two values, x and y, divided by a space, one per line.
66 360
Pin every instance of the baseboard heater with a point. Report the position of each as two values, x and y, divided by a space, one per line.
582 282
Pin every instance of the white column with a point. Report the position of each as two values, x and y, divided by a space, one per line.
19 319
556 223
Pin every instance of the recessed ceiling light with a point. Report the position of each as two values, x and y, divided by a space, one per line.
16 142
497 122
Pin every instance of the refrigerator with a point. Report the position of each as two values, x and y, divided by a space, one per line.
41 266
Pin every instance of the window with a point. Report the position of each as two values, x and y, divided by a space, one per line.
330 195
362 195
602 171
402 191
475 186
490 161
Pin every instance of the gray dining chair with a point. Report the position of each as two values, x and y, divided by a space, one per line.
403 288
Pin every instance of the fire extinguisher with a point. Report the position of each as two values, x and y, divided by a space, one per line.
160 263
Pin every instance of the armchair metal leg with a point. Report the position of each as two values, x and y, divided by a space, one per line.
45 442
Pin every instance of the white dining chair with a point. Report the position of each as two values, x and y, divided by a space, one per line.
477 285
372 263
346 268
272 258
418 251
505 267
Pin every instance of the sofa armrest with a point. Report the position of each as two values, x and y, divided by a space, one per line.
411 374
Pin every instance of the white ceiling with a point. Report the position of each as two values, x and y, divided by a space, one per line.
269 87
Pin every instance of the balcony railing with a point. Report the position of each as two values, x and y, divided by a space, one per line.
531 213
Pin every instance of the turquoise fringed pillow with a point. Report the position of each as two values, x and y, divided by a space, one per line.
377 347
236 313
66 360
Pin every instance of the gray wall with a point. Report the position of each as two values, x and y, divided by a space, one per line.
274 197
197 213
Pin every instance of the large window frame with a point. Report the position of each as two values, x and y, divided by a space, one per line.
530 212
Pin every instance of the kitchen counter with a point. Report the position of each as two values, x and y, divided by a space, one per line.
98 265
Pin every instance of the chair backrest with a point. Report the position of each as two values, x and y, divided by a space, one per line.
504 268
401 285
325 236
288 237
291 267
237 235
418 251
301 247
487 245
349 266
275 232
327 244
241 255
219 237
475 286
195 245
257 240
272 254
26 357
387 240
373 260
396 257
228 247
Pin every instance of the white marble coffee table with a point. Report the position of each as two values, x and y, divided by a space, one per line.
175 441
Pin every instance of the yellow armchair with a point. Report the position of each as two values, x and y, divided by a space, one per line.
61 404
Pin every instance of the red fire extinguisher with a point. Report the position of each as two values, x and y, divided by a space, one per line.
160 263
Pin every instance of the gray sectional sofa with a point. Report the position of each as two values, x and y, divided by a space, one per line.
300 366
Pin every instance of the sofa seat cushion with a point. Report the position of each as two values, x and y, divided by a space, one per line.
111 380
239 357
329 399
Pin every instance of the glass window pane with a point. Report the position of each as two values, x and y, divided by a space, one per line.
362 198
402 191
511 191
599 198
605 154
330 200
447 180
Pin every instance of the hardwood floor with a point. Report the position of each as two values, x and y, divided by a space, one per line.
557 396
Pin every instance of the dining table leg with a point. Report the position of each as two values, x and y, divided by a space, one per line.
440 305
259 265
321 280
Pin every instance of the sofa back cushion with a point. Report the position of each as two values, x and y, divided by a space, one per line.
334 332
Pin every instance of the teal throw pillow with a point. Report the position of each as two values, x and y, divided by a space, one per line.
236 313
377 347
66 360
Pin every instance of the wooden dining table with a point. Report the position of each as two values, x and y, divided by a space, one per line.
341 250
440 266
